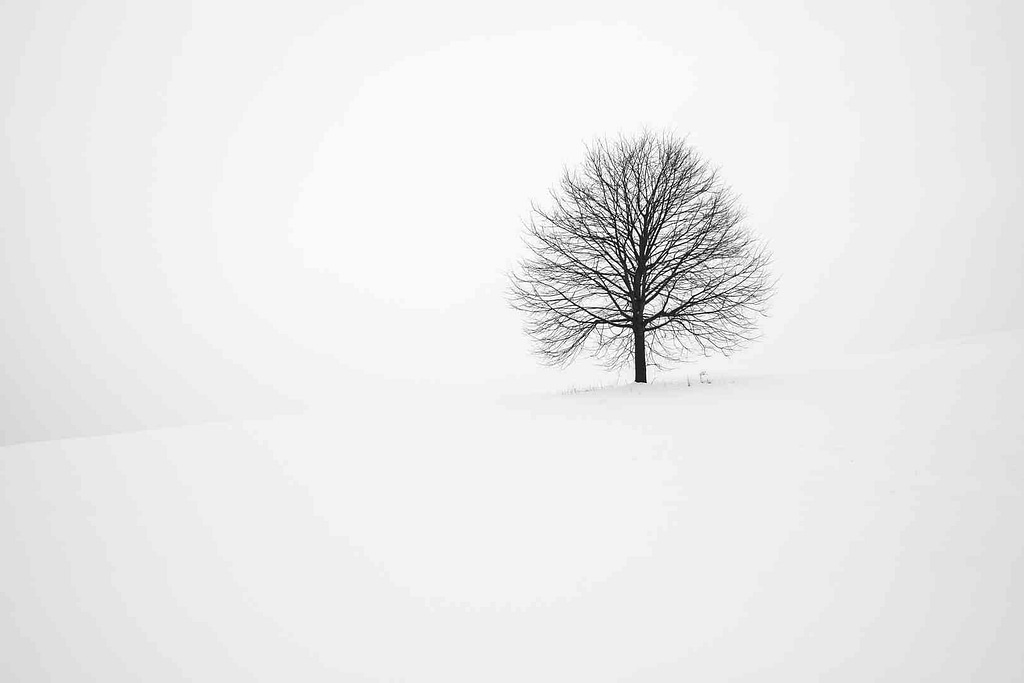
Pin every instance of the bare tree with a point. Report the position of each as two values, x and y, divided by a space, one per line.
641 255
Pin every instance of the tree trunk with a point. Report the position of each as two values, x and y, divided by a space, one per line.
639 356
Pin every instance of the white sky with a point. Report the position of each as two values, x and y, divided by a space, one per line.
220 210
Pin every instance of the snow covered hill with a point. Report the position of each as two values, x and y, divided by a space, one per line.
851 522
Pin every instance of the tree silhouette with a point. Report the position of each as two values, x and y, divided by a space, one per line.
641 255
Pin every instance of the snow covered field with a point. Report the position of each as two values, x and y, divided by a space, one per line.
859 521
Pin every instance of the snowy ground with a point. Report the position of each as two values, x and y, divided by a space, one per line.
855 522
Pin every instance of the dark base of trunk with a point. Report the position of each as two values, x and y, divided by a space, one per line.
639 357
